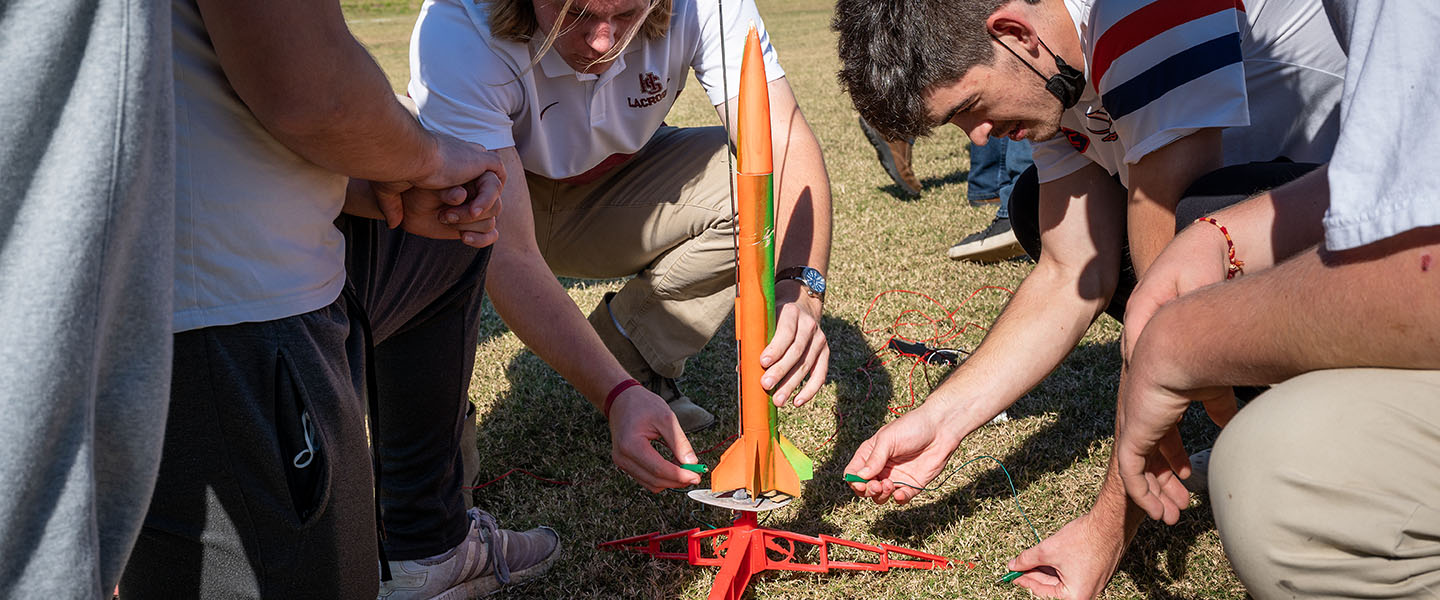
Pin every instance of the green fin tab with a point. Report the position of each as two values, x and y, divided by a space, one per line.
802 464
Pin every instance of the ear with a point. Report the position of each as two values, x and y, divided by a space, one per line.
1011 21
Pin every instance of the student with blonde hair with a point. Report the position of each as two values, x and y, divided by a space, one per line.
573 95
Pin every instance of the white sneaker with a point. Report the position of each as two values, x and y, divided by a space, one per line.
996 242
470 569
1199 480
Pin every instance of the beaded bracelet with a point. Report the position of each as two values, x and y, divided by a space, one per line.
615 393
1236 267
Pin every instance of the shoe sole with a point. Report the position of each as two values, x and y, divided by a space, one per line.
887 159
485 586
983 202
995 254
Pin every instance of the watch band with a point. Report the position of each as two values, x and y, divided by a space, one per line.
811 278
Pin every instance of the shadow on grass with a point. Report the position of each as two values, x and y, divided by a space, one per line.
860 406
1073 394
928 183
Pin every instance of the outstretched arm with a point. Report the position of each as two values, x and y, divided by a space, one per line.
1081 220
531 301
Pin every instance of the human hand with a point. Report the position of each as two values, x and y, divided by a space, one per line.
1076 562
912 449
799 348
637 418
1149 454
467 213
453 163
1197 257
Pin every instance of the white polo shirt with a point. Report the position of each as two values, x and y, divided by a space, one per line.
1269 72
484 90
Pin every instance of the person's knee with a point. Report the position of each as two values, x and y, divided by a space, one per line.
1302 476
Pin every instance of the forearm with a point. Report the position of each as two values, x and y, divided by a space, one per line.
1042 323
533 304
1278 224
316 89
803 213
1378 306
1157 183
1113 506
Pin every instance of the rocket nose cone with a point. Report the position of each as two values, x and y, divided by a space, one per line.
752 132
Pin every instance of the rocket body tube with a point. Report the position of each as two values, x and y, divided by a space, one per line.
760 460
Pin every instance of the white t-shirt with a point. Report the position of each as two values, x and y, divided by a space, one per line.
1383 179
1267 71
255 238
484 90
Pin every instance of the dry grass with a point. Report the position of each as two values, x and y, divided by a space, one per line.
1055 445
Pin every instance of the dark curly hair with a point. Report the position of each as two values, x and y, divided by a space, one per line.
892 51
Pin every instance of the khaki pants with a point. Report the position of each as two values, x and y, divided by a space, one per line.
1328 485
665 216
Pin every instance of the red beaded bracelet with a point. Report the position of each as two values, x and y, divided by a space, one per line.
1236 267
615 393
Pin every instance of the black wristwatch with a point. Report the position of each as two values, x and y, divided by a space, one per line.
813 280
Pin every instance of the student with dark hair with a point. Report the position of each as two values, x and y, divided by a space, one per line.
1145 115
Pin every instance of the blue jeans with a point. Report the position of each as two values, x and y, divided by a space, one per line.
994 168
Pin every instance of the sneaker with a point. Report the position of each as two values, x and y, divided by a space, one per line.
895 157
489 559
994 243
691 416
1199 480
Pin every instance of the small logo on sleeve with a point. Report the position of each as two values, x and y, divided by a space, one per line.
1098 122
654 91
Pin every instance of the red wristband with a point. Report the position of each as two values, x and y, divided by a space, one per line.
1236 267
615 393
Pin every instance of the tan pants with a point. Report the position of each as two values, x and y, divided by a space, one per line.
1328 485
665 217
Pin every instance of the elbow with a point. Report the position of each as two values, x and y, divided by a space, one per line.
1091 284
301 116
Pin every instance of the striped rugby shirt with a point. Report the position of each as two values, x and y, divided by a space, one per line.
1269 72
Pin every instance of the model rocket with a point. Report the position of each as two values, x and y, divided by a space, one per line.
761 460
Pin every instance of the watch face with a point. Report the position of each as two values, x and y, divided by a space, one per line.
814 280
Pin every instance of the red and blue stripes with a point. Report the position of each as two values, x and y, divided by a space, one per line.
1186 65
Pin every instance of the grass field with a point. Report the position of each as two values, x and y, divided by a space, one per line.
1056 443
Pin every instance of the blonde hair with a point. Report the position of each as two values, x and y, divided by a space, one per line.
514 20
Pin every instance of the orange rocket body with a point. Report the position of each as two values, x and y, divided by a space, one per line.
760 460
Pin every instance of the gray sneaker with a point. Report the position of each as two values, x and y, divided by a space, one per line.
691 416
488 559
1199 480
994 243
